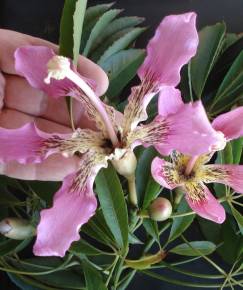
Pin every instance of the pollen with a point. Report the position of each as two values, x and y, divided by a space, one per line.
57 68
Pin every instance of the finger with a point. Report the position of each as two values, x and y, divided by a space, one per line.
12 119
11 40
21 97
2 89
54 168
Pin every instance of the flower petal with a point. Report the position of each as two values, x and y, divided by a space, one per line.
174 44
170 101
164 173
208 207
74 204
31 62
135 110
189 131
231 175
230 124
25 145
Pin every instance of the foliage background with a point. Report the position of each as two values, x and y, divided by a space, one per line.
41 18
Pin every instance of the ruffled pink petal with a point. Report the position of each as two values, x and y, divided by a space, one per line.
231 124
24 144
174 44
189 131
170 101
231 175
74 204
59 225
208 208
31 62
163 173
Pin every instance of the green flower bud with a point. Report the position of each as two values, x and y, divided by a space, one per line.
160 209
17 229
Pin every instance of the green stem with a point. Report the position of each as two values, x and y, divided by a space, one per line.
132 191
152 240
111 271
181 283
204 257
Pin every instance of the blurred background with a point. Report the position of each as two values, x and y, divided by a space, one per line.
41 18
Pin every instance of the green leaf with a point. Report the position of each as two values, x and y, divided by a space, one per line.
204 247
24 283
78 20
8 246
92 15
113 204
227 154
121 43
92 277
237 146
231 89
134 240
239 218
144 178
180 224
231 241
7 198
121 68
115 26
151 228
100 25
44 189
210 43
83 247
98 230
71 28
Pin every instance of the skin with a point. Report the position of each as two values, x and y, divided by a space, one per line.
20 104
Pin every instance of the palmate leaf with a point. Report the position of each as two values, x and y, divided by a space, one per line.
231 89
71 28
100 25
116 26
92 277
122 43
97 229
121 68
92 15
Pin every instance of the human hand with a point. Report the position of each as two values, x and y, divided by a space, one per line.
21 104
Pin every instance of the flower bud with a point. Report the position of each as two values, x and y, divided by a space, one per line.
17 229
160 209
125 162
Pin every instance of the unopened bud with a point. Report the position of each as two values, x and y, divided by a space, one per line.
125 162
17 229
160 209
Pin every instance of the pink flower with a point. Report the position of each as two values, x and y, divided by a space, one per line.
191 173
175 42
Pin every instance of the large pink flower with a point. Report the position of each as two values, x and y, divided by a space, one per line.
173 45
